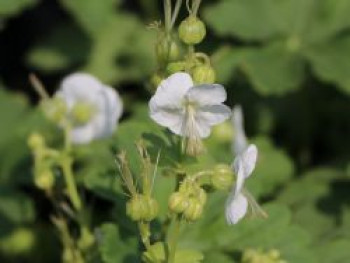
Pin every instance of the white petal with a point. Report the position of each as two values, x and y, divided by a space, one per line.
79 87
249 158
110 110
240 176
167 117
171 91
82 134
236 208
213 114
207 94
240 139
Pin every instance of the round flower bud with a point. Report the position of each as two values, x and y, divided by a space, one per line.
178 202
193 211
167 49
82 113
222 177
141 208
192 30
175 67
36 141
203 74
44 179
202 196
152 209
136 208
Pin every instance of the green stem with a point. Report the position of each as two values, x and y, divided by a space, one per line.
66 164
73 194
167 15
173 240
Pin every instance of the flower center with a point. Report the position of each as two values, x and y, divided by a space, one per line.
193 142
82 113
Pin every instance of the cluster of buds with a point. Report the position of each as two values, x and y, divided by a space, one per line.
171 45
189 200
141 206
44 161
258 256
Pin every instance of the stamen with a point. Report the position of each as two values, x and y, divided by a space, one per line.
193 141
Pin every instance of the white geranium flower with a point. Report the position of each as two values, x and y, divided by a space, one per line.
188 110
240 141
244 164
93 108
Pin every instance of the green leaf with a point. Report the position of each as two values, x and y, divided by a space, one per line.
66 46
15 208
112 248
273 70
330 64
242 18
273 168
335 252
91 15
276 232
313 204
13 7
157 254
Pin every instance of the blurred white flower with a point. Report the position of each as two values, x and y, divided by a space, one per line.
240 140
93 108
244 164
188 110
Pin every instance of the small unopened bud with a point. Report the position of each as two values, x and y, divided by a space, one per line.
192 30
167 49
152 209
178 202
222 177
202 196
142 208
82 113
44 179
194 210
36 141
203 74
175 67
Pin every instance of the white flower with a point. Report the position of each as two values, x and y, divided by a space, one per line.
92 107
244 164
188 110
240 141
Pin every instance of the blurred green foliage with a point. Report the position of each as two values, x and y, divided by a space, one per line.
286 61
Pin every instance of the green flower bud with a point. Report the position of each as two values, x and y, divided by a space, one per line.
193 211
55 109
82 113
192 30
44 179
202 196
136 208
152 209
203 74
222 177
178 202
36 141
167 49
175 67
140 208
